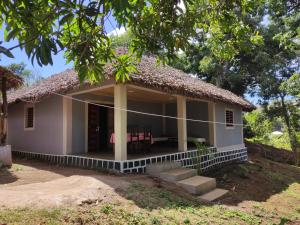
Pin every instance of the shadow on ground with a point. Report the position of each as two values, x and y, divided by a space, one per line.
7 176
256 180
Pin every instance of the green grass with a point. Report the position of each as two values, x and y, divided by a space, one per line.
164 208
281 141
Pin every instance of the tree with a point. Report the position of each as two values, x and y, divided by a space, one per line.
257 124
292 85
280 63
122 40
44 28
8 80
28 76
231 68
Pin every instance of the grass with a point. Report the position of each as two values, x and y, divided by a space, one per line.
264 192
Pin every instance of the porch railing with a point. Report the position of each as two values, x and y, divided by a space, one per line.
189 159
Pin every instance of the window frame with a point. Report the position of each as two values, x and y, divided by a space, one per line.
227 126
26 107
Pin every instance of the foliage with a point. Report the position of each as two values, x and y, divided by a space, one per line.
262 122
44 28
292 85
255 61
258 124
203 149
28 76
122 40
8 80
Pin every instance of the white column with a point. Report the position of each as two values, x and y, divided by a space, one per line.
120 126
181 123
67 125
212 126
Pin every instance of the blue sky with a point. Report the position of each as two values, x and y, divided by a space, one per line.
59 62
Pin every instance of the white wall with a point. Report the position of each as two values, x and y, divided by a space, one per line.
226 137
47 136
195 110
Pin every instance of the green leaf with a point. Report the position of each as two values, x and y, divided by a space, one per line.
67 18
6 52
12 34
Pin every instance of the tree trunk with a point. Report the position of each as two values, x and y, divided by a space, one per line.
3 131
291 133
221 75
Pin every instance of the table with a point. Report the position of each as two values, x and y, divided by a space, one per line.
141 138
189 139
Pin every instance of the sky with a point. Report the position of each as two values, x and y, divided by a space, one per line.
59 62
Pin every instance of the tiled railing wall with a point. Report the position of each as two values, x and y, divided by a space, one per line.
189 159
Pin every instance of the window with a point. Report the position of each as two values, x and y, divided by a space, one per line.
229 118
29 117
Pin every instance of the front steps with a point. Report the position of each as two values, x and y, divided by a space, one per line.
213 195
198 185
177 174
186 178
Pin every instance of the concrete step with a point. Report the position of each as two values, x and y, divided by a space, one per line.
198 185
177 174
156 168
213 195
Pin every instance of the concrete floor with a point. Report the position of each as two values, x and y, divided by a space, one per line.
154 151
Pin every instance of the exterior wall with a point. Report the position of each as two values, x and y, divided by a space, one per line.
78 127
143 120
47 135
199 111
195 110
171 124
226 137
79 119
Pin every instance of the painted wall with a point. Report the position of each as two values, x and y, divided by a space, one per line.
78 119
228 136
171 124
47 136
78 127
194 110
143 120
199 111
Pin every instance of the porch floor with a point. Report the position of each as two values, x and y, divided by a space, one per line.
154 151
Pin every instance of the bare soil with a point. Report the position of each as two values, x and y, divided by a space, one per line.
37 184
260 192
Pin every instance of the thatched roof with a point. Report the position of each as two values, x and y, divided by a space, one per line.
12 80
150 75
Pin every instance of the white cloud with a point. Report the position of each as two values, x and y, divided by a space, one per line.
117 31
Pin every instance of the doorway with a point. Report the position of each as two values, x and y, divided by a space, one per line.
100 127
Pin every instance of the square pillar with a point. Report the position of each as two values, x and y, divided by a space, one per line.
67 125
212 126
181 123
120 121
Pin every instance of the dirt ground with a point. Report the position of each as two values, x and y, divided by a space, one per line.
37 184
260 191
